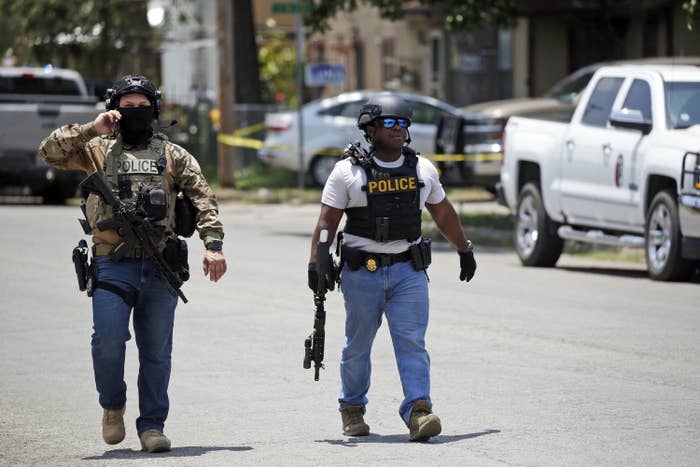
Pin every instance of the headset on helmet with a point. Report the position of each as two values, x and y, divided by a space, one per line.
133 84
383 105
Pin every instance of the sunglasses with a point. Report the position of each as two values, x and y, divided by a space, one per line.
390 122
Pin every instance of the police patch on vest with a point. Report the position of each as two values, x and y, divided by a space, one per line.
392 185
137 166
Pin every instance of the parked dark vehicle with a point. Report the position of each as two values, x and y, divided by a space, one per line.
33 102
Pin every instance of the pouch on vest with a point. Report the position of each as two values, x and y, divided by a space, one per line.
185 216
175 254
351 257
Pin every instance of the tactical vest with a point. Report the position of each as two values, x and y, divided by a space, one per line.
131 172
393 202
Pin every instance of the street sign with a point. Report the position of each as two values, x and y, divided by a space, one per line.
281 8
321 74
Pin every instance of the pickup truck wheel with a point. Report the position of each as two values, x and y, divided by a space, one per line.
663 240
535 243
321 168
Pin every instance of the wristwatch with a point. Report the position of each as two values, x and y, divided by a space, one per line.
215 245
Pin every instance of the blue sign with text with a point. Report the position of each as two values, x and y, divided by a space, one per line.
321 74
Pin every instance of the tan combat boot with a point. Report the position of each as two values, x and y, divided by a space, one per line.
154 441
423 424
354 421
113 426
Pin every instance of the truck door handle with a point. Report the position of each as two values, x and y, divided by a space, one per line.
607 149
570 145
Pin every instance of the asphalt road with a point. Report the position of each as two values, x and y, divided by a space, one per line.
587 364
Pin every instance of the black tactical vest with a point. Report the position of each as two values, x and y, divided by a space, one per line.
393 202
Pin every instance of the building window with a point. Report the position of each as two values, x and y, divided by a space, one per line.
388 58
437 58
359 49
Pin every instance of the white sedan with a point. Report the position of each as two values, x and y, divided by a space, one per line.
331 123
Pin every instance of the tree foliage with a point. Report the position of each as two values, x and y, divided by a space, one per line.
458 14
692 8
100 38
277 68
462 15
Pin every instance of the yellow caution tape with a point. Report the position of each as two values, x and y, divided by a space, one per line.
237 140
484 157
249 130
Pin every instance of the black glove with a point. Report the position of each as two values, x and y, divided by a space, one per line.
467 265
313 277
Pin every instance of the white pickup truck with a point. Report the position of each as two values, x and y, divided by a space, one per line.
625 171
34 102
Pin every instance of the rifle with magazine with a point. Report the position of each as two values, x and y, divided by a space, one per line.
325 269
135 228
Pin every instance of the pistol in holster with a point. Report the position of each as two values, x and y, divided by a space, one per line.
84 269
420 255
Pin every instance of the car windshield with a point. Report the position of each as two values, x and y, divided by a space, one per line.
568 89
682 103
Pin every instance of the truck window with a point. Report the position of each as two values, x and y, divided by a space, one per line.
682 104
425 113
639 98
601 102
38 85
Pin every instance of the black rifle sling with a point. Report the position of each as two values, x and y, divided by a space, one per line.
129 298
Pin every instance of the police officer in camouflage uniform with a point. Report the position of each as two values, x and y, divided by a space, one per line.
384 259
122 145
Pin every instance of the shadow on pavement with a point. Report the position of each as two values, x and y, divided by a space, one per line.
375 438
620 272
185 451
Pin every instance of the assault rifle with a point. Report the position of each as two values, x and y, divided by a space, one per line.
135 229
325 269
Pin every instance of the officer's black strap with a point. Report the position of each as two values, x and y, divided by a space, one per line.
356 258
129 298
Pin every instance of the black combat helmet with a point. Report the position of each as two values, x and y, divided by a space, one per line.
383 105
133 84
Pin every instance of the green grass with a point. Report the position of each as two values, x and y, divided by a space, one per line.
261 176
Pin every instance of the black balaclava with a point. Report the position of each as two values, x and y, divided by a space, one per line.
136 124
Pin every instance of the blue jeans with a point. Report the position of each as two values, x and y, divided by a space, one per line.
154 314
401 293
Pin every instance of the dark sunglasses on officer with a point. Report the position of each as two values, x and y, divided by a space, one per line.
390 122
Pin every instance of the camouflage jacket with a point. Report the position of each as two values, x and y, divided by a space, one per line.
81 147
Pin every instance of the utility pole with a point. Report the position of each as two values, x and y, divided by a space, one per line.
300 89
224 23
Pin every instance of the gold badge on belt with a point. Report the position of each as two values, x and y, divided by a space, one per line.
371 264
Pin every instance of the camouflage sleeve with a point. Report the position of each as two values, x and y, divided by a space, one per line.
65 147
188 175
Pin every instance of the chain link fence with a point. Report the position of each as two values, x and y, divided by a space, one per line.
197 129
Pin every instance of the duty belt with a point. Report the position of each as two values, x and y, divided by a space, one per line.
371 261
102 249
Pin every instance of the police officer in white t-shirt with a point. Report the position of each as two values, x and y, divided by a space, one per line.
384 259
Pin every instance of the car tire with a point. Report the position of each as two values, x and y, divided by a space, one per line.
321 168
663 240
536 243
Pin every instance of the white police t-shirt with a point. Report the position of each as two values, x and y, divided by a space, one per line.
344 190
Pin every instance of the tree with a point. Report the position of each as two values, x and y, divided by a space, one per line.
458 14
278 68
474 14
100 38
